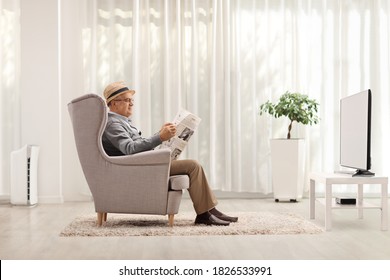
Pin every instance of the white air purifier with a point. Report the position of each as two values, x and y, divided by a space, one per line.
24 173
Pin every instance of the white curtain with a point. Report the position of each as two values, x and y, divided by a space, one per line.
9 86
222 59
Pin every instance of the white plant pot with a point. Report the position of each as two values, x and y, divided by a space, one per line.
288 161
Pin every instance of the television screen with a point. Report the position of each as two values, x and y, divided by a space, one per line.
355 132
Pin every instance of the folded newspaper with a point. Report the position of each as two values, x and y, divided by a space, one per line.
186 124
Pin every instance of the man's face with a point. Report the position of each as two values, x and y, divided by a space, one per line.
123 104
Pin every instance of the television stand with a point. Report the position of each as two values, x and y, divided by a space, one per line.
330 179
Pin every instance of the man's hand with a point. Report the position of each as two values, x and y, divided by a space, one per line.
167 131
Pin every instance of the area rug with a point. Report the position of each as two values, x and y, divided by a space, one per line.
249 223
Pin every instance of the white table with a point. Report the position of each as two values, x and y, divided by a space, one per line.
330 179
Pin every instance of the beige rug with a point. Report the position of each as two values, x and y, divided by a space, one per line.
249 223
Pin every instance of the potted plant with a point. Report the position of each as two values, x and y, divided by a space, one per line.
288 154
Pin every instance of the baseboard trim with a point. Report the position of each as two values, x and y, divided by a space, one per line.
5 199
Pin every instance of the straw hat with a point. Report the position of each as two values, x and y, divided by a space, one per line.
116 89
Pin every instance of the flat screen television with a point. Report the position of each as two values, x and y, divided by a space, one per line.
355 133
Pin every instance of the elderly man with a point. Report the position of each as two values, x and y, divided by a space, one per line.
122 138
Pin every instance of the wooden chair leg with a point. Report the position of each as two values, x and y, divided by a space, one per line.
104 217
171 219
100 219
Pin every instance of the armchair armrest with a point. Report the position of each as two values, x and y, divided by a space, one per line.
154 157
179 182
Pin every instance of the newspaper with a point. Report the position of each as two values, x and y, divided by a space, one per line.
186 124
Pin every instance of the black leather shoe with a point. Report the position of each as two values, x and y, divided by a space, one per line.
227 218
222 216
210 220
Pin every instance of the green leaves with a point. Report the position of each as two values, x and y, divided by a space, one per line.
295 106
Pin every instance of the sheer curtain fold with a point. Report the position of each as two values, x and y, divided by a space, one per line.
9 87
222 59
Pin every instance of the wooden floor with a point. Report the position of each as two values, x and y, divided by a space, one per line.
33 233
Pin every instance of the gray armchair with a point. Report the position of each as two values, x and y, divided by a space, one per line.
134 184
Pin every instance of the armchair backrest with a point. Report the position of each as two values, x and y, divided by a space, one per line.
88 114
